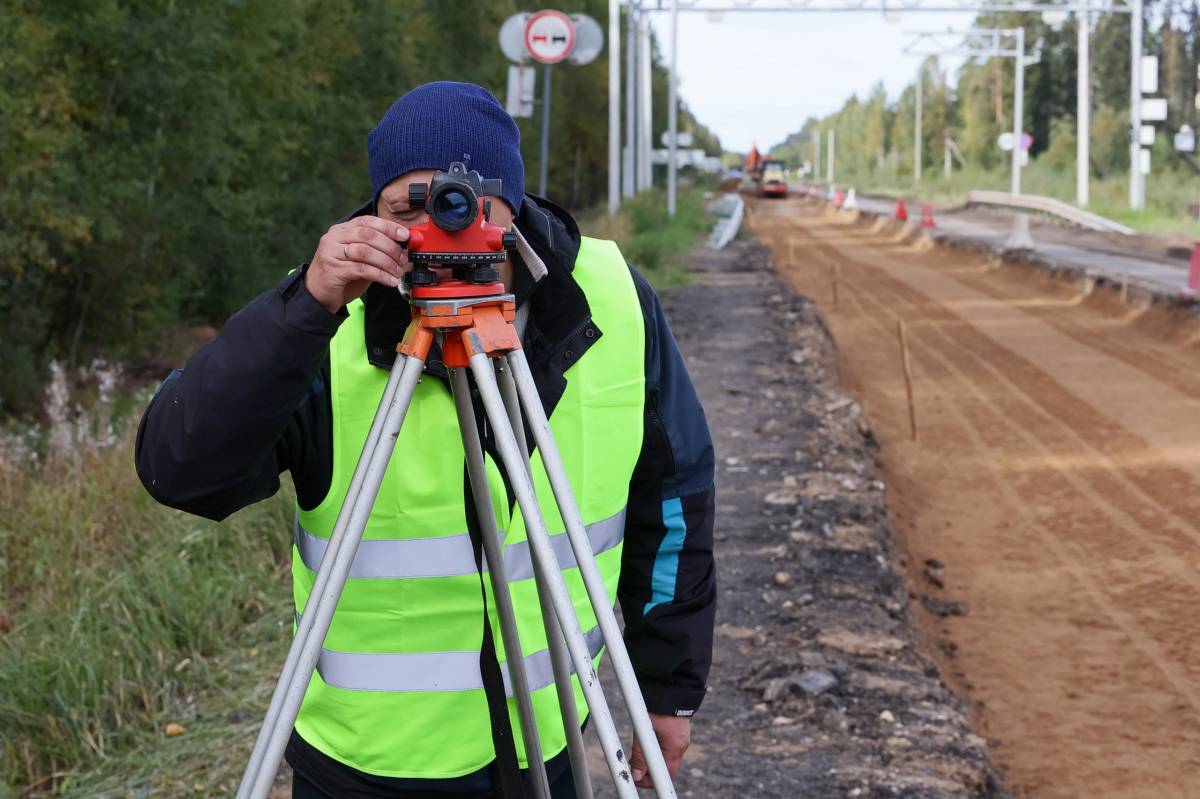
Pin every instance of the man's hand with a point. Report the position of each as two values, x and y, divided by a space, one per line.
674 733
353 255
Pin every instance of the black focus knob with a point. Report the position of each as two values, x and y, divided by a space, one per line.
416 195
510 240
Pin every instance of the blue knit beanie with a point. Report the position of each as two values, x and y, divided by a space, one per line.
442 122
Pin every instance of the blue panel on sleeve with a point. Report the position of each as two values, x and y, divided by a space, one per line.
666 562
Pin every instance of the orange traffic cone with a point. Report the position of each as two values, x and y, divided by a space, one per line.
927 216
1193 282
839 197
901 211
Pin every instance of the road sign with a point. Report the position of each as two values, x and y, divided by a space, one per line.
519 99
1145 161
1006 141
1154 109
512 37
1026 141
682 139
589 40
1185 140
550 36
1149 74
1146 136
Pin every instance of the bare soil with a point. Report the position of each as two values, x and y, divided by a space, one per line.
1049 507
819 687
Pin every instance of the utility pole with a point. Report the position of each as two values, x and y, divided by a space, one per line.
614 107
816 155
829 156
673 111
917 129
1137 181
629 188
1018 111
1083 111
646 118
544 161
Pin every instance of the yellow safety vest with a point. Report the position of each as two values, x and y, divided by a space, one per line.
398 691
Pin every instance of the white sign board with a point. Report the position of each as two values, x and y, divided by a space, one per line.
1185 140
550 36
682 139
589 40
1146 136
1149 74
512 37
1006 141
1145 161
518 102
1154 109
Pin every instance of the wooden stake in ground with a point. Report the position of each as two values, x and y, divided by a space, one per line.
902 334
1124 291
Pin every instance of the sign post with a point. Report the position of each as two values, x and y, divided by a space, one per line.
549 38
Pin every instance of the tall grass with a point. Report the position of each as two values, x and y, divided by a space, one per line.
120 615
658 246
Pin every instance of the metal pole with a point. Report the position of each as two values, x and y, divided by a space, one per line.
593 582
498 575
629 188
540 547
830 156
672 111
614 107
1137 181
917 128
560 659
646 133
816 173
1083 111
337 540
322 606
542 164
1018 111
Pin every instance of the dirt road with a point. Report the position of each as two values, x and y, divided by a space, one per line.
1049 507
818 687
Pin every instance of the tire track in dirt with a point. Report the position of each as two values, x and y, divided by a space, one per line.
1097 535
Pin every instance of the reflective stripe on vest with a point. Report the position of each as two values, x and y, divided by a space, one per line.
452 555
432 671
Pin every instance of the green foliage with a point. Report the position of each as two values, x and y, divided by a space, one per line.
163 161
875 137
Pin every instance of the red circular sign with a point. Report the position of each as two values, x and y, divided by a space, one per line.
549 36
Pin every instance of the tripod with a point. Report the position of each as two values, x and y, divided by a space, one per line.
475 326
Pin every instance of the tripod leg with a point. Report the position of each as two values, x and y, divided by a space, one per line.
322 606
336 538
539 543
499 578
592 580
559 658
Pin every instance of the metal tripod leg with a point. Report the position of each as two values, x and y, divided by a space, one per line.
559 658
539 543
514 655
592 580
318 613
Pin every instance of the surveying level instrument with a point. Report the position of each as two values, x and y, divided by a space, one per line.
457 299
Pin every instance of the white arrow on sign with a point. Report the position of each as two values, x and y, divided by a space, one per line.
550 36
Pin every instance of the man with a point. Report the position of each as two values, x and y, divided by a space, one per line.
291 384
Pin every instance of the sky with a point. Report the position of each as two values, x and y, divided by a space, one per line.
755 77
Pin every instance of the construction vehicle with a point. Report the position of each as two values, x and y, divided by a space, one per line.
772 180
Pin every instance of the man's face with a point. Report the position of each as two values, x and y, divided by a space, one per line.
393 202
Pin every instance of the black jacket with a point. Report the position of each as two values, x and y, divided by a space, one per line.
255 402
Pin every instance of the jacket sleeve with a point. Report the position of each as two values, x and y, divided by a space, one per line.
248 405
668 588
